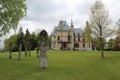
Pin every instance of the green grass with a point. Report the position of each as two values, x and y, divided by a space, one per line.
62 65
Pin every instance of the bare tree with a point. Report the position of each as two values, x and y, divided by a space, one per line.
118 30
100 23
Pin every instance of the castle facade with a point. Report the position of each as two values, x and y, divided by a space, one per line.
65 37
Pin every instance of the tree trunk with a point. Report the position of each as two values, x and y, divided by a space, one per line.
19 55
37 55
26 51
10 57
29 51
101 42
101 47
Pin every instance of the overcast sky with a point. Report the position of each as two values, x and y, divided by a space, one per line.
45 14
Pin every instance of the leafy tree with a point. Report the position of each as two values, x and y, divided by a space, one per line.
118 27
10 44
14 45
38 45
11 12
100 23
88 36
87 32
49 42
97 43
117 39
20 40
116 43
32 43
118 30
27 41
110 44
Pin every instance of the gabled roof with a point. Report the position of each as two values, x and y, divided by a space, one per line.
78 31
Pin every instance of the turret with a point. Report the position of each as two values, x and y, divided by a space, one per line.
71 25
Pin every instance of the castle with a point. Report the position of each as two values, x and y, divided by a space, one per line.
65 37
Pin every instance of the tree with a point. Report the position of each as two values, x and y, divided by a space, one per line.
10 45
100 23
87 32
38 45
110 44
97 43
11 12
33 41
20 41
117 39
118 30
27 42
116 43
49 42
87 35
15 45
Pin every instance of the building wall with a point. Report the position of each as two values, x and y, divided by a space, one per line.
63 37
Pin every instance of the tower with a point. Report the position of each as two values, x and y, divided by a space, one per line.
72 35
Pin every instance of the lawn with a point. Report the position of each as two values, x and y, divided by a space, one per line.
62 65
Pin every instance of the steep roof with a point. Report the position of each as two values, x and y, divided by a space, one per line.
78 31
63 26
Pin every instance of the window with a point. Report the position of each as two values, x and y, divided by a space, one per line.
68 38
78 38
58 38
83 45
83 39
76 45
89 45
74 38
